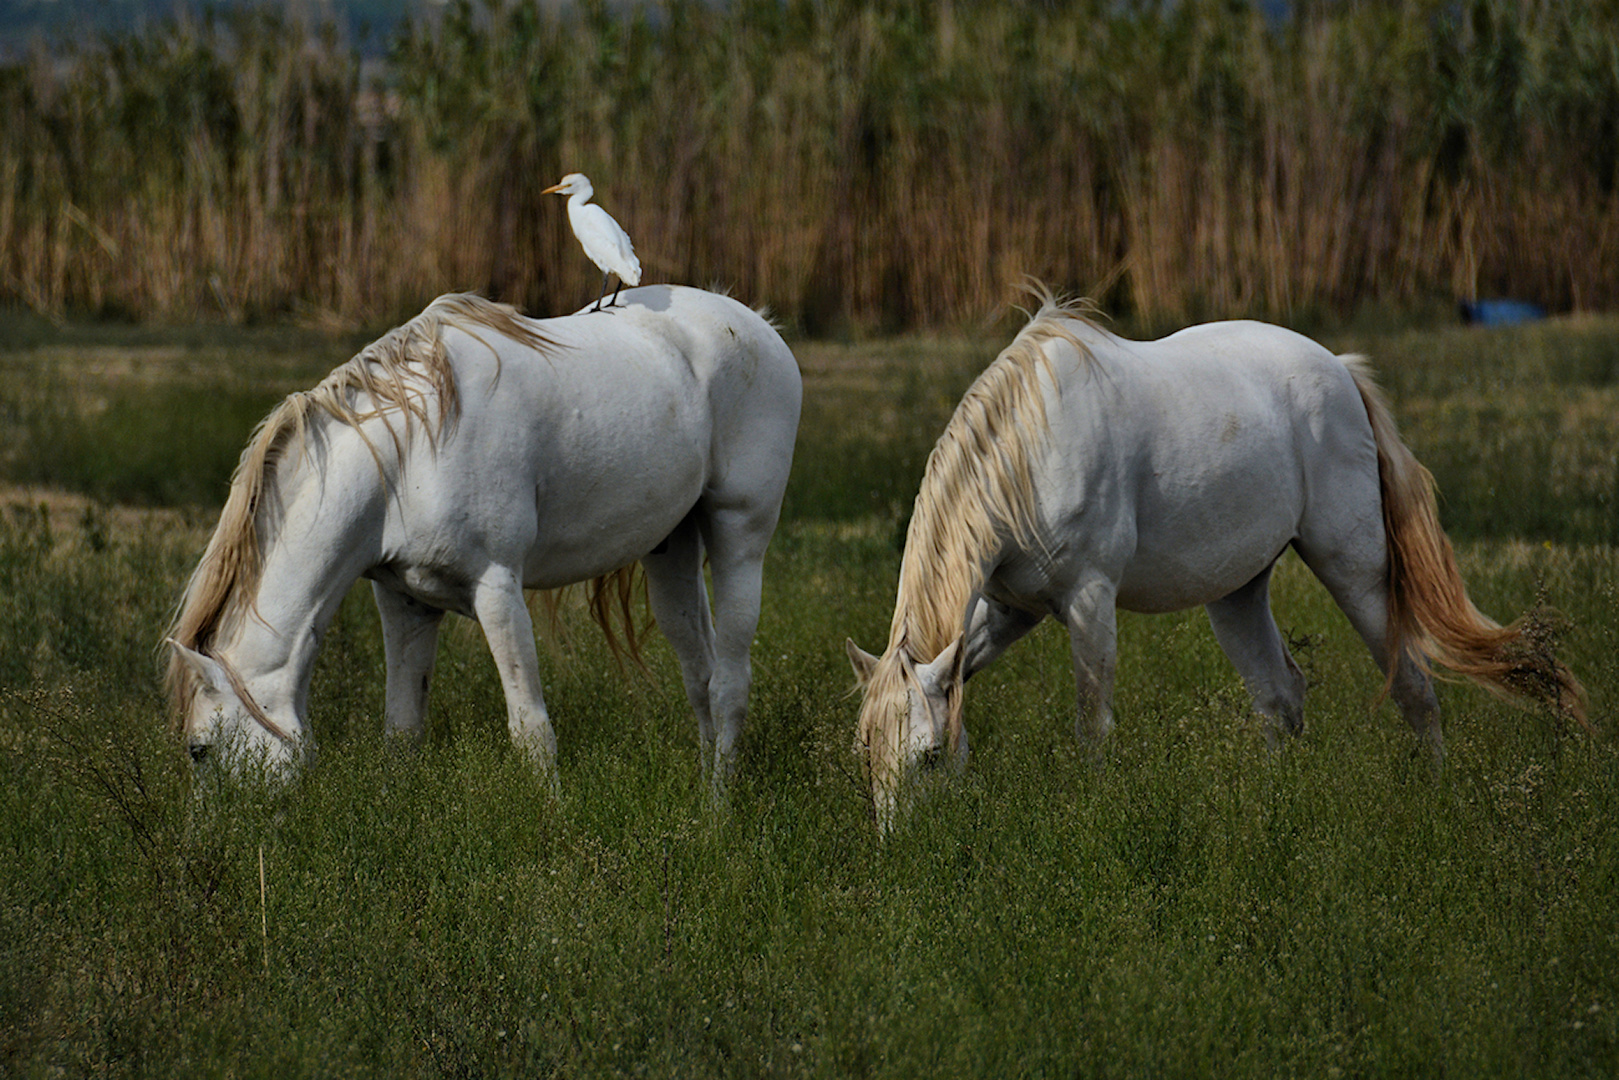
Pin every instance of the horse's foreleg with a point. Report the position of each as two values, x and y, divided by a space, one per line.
1092 623
498 603
409 645
1247 632
992 628
679 601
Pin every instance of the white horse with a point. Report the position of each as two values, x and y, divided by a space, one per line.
1082 473
472 454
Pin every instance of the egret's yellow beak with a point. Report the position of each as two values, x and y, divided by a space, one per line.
553 187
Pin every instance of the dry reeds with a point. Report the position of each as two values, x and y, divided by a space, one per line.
869 164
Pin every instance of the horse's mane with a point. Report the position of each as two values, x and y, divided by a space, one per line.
406 373
976 490
977 487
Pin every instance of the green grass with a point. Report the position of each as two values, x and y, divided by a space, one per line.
1196 907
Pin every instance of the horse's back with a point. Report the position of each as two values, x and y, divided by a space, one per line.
751 381
666 362
1214 396
582 455
1192 461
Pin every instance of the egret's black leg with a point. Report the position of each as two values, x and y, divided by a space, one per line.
599 299
614 301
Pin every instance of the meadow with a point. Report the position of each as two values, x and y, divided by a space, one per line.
1197 906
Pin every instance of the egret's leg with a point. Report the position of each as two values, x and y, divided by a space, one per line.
498 602
1246 630
616 288
409 645
1093 646
679 598
605 275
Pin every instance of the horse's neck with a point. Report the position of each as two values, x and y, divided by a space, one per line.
273 637
936 584
273 657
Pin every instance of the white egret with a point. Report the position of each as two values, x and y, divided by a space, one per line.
604 241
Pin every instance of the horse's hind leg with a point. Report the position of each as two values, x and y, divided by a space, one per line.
497 600
679 601
1356 576
1247 632
736 538
409 645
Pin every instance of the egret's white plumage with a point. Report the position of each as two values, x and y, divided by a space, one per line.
604 241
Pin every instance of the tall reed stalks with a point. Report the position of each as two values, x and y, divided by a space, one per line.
864 164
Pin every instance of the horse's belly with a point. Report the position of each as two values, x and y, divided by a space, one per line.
1189 559
1155 586
606 521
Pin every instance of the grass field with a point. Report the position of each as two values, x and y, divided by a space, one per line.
1196 907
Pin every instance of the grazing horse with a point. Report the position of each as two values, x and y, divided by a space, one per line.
1083 473
472 454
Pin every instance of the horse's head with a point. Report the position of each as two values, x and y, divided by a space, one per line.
910 717
224 725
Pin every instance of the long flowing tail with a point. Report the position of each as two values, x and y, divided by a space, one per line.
1430 615
612 602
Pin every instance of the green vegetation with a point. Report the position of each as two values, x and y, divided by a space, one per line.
869 163
1196 908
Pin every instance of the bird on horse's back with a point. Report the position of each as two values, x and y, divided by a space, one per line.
471 454
604 240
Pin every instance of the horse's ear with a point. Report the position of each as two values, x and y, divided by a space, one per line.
864 663
206 668
943 671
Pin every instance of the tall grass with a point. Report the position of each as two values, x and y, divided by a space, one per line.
851 162
1197 907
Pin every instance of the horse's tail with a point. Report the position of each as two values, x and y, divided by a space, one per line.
611 600
1430 616
612 605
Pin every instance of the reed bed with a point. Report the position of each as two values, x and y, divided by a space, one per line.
856 164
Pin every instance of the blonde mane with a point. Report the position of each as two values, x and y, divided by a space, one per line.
406 373
976 491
